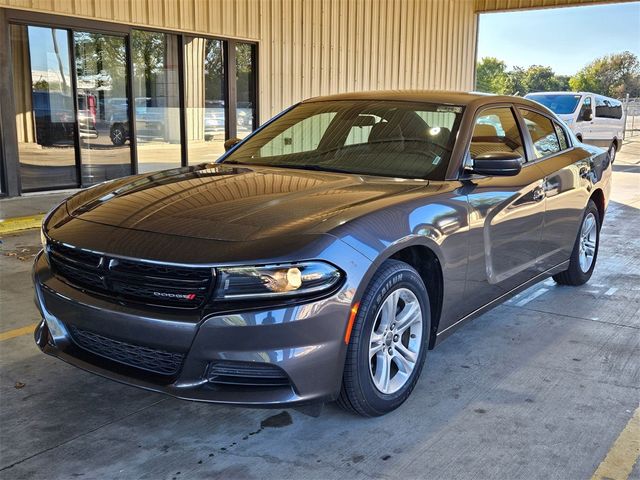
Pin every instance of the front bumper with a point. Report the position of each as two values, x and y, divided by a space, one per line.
306 342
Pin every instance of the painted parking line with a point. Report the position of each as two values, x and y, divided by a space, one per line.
16 224
17 332
533 296
611 291
623 454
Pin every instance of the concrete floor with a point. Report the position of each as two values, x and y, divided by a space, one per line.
540 387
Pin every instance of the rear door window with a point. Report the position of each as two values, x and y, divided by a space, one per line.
562 136
543 133
608 108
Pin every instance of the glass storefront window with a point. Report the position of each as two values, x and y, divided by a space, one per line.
157 104
43 97
77 93
245 88
103 116
204 99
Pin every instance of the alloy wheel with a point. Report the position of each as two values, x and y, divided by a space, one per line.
117 137
395 341
588 239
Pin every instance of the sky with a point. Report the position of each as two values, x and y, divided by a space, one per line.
565 39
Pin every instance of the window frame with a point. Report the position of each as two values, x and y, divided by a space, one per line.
467 160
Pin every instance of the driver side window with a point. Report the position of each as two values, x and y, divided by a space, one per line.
496 130
586 106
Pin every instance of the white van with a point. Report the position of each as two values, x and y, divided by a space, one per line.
603 128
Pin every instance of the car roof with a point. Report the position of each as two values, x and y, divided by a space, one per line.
446 97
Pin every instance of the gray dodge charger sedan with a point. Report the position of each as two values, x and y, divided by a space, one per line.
321 257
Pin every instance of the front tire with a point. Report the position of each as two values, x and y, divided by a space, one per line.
388 343
612 153
585 250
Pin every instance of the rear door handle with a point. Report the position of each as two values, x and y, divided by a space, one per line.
584 172
538 194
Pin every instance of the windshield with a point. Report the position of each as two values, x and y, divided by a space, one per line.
560 104
386 138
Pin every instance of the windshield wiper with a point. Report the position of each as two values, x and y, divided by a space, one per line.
315 168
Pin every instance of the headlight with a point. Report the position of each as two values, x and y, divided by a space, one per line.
276 280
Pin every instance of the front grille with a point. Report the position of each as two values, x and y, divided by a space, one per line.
247 374
129 280
144 358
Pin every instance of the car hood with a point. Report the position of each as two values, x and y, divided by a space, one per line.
233 203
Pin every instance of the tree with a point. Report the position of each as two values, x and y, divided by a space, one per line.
511 83
489 73
542 79
492 76
612 75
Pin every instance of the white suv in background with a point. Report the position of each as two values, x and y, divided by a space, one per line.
602 126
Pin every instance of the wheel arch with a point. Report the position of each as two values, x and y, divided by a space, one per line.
617 142
428 266
598 198
426 258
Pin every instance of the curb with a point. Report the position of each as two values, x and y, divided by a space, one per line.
16 224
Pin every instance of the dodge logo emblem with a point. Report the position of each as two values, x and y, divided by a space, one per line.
182 296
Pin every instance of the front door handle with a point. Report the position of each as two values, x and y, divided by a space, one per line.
538 194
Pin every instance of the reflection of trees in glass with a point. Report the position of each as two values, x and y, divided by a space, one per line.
148 51
103 56
213 70
244 77
41 85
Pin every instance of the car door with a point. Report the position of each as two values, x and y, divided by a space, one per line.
566 182
601 131
506 214
584 122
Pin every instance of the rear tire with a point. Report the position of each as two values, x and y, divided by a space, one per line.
585 250
389 342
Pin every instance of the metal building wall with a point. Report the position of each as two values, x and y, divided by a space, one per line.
315 47
311 48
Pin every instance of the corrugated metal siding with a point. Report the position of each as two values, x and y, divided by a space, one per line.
316 47
503 5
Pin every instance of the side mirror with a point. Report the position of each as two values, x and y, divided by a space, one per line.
587 114
232 142
498 164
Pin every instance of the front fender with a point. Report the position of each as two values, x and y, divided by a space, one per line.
438 223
